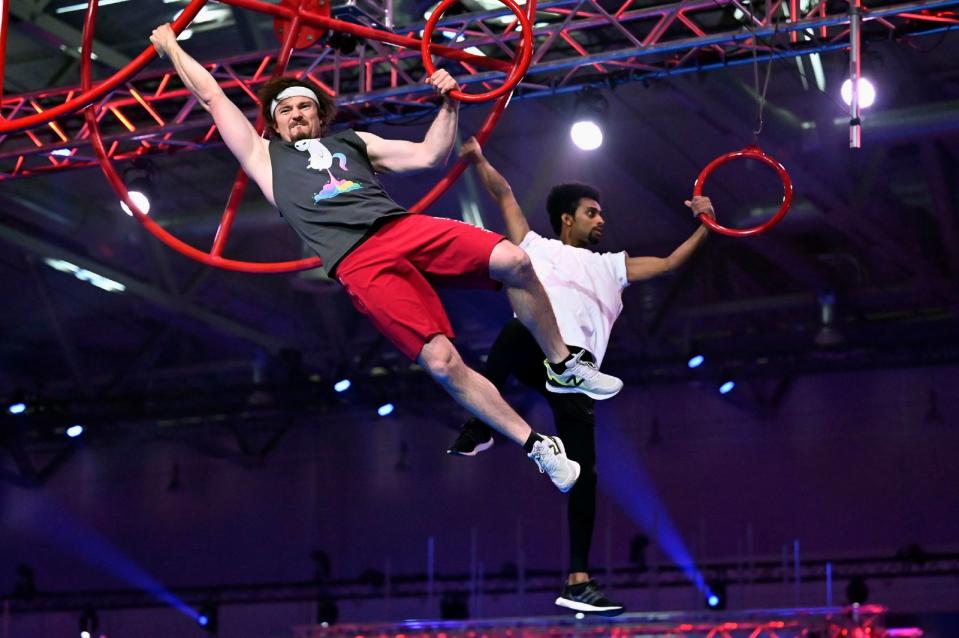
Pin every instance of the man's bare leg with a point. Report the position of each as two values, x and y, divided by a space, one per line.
472 390
510 265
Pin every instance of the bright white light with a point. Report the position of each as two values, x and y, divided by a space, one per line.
696 361
62 152
84 634
727 387
867 92
385 410
81 6
83 274
17 408
342 385
586 135
142 202
713 600
74 431
580 615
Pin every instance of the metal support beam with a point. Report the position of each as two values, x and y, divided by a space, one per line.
34 19
144 290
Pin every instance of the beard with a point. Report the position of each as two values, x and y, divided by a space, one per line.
594 237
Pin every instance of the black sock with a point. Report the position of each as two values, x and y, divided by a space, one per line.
560 367
533 438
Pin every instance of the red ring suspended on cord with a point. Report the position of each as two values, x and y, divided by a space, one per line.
754 153
525 55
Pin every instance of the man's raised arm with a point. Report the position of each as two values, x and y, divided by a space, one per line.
237 132
640 268
499 189
401 156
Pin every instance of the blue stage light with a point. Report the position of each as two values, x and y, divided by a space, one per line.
727 387
17 408
342 385
696 361
203 620
713 600
385 410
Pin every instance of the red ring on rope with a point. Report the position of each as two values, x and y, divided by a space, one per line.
516 73
754 153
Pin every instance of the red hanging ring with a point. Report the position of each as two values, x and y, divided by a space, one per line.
516 74
754 153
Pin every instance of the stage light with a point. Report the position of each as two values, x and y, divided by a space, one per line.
589 115
867 92
74 431
385 410
342 385
586 135
727 387
17 408
89 623
206 617
716 595
140 199
695 361
139 180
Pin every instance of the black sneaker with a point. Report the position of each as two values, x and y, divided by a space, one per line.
475 437
587 598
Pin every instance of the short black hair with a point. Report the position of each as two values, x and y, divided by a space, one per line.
564 198
268 92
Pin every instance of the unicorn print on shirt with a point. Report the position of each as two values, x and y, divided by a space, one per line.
322 160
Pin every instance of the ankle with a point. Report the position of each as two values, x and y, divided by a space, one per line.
577 578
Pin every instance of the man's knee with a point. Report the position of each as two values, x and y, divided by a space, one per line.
440 358
512 265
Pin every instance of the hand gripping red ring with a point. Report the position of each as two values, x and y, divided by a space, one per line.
515 75
754 153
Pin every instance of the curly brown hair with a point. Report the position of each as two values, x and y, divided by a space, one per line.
268 92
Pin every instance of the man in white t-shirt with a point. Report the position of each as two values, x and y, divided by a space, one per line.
585 289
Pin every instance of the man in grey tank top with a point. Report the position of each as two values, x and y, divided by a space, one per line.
386 258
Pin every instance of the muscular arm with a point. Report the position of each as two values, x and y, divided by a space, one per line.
499 189
400 156
640 268
237 132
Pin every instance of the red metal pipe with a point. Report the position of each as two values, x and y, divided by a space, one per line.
115 80
4 10
117 183
240 182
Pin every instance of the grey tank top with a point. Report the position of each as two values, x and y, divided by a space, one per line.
327 191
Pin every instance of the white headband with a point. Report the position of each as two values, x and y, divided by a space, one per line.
293 91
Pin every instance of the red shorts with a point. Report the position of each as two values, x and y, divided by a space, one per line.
390 276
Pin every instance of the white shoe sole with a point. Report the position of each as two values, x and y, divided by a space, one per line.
576 472
482 447
563 389
587 608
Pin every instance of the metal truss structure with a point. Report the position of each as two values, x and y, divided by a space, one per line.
375 585
773 623
577 43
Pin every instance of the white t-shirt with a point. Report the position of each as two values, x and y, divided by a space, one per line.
584 287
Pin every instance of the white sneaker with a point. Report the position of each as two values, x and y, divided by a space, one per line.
550 457
582 376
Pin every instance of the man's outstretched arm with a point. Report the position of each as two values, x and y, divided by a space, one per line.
402 156
237 132
499 189
640 268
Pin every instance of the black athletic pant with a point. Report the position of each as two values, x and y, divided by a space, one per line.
516 353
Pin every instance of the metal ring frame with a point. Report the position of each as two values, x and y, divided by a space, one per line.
295 19
754 153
